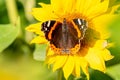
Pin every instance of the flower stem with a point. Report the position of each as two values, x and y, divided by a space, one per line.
12 10
59 74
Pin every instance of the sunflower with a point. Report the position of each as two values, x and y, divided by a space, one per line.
76 34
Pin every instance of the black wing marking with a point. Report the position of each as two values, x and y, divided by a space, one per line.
82 24
46 27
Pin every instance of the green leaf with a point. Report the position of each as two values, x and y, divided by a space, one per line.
115 52
8 34
94 75
117 1
114 71
44 1
97 75
115 30
28 5
40 52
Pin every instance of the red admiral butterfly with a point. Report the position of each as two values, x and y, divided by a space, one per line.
65 37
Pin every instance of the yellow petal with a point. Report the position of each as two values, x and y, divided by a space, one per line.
50 52
112 44
103 19
39 40
93 2
50 60
68 67
83 6
106 55
84 66
58 6
114 8
79 5
43 5
44 14
35 28
77 66
101 24
98 9
100 44
95 60
60 61
69 6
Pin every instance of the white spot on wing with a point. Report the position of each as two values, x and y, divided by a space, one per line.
48 25
79 21
45 29
82 26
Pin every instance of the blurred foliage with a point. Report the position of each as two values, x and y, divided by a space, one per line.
115 39
8 34
39 53
114 71
20 60
114 2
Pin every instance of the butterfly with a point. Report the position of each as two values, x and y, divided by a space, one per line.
65 37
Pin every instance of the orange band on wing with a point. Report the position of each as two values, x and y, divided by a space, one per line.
51 30
73 50
56 50
78 30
